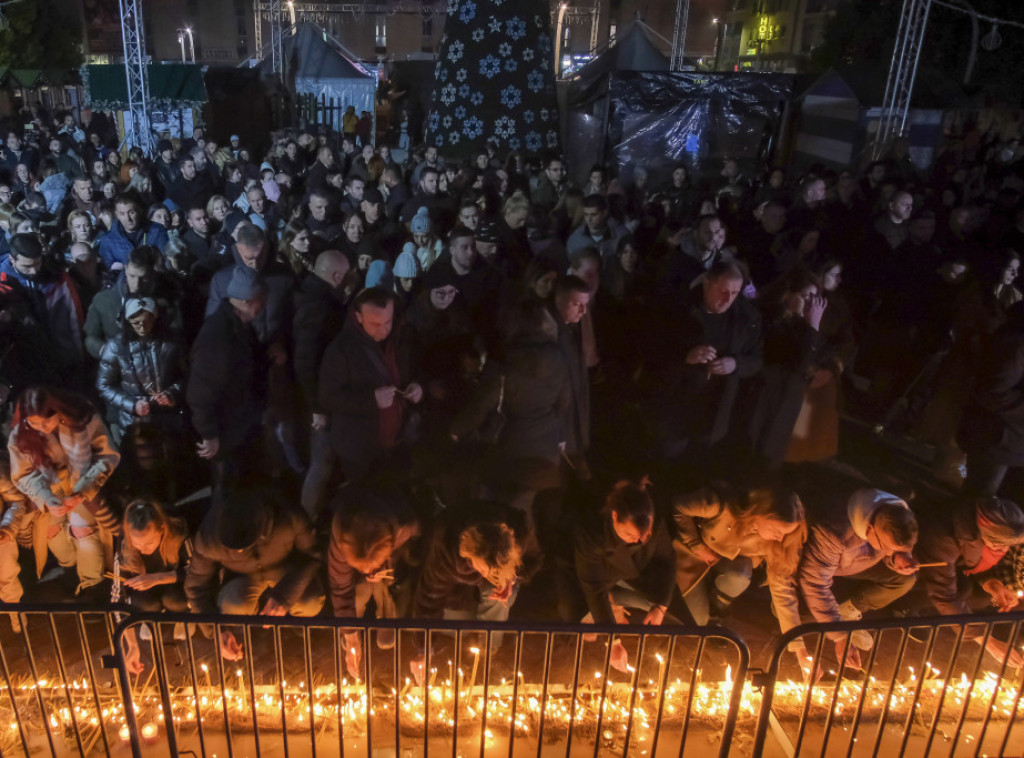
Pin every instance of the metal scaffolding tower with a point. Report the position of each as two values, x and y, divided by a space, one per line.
902 73
276 53
136 123
679 35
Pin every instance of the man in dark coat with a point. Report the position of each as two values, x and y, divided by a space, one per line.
227 385
968 543
264 545
572 296
365 387
695 365
130 231
191 188
992 429
319 318
478 282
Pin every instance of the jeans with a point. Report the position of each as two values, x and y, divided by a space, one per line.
879 587
10 584
731 579
241 596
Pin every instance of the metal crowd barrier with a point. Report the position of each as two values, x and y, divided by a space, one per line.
55 693
927 688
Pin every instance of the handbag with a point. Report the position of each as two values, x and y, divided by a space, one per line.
494 424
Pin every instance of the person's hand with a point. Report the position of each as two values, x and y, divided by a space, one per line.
229 647
502 594
166 399
133 659
621 614
904 563
273 608
822 376
814 308
722 366
319 421
277 354
705 553
141 407
852 653
385 396
418 668
413 393
208 448
353 655
619 658
655 616
1001 651
143 582
1003 598
701 354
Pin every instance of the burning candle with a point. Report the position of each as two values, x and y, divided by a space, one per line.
149 733
206 674
476 660
124 734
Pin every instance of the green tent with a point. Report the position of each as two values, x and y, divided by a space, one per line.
172 86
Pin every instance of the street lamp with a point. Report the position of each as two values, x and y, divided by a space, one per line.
181 41
558 38
291 11
191 43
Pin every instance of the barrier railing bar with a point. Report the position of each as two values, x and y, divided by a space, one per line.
632 694
339 662
62 668
515 693
736 701
995 692
224 697
279 665
601 702
698 656
805 711
945 686
836 687
396 660
200 728
15 709
864 690
159 658
1016 700
933 636
307 653
87 657
251 671
456 681
575 691
663 677
970 689
548 644
487 684
428 660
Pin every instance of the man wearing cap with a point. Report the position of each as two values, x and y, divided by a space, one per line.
365 386
968 543
320 303
263 546
227 385
869 539
166 171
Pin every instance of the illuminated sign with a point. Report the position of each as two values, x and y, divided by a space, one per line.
766 29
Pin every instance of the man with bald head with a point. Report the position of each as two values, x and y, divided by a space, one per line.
319 316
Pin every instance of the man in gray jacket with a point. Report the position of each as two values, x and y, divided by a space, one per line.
870 541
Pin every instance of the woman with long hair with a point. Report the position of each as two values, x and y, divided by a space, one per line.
297 247
723 535
61 456
154 559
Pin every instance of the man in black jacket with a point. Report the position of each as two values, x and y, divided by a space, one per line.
265 547
319 318
227 385
365 387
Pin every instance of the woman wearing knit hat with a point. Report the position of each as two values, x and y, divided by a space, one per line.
406 271
428 246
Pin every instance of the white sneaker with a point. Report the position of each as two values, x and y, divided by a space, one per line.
179 632
145 633
848 612
15 623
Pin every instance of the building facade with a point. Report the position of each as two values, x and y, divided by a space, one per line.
772 35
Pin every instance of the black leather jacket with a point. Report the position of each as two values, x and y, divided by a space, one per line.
132 370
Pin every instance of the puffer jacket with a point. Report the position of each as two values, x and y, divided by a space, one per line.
135 369
839 547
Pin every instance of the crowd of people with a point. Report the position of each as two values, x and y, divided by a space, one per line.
414 384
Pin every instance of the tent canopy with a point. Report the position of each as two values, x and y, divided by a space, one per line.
318 65
172 86
631 50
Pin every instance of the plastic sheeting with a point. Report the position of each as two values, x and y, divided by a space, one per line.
660 118
357 92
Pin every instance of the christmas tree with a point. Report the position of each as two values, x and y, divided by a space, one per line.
494 78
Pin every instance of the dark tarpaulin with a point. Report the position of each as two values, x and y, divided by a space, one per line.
660 118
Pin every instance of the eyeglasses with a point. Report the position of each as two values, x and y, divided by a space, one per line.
445 294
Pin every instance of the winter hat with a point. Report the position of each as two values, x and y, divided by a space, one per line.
265 166
406 266
440 276
1000 522
232 221
162 145
245 284
133 306
379 275
420 223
